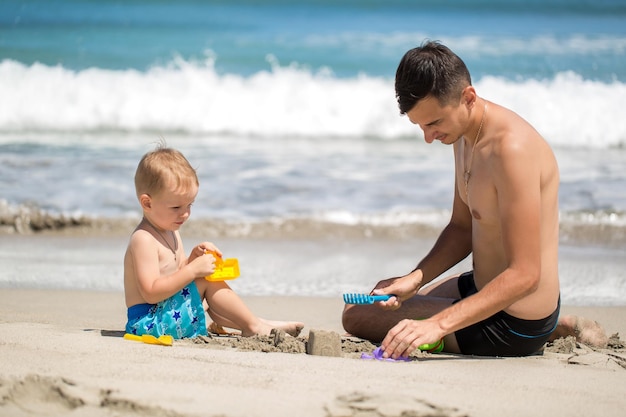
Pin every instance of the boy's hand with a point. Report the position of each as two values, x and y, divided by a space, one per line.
202 258
202 249
203 264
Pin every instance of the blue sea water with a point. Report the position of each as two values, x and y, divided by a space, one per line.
287 108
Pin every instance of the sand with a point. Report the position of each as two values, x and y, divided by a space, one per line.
62 353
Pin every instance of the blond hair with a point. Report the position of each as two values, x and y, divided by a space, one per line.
164 167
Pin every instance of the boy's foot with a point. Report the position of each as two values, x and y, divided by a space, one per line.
292 327
219 330
264 328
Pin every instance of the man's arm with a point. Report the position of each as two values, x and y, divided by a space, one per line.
516 174
453 245
515 170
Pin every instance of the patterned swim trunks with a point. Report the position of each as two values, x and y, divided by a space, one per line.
181 315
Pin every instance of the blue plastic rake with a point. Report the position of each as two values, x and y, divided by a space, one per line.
364 298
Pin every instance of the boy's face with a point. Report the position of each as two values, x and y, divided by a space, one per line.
170 208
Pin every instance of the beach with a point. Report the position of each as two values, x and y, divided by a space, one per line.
62 353
311 178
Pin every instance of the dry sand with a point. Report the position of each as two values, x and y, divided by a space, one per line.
61 353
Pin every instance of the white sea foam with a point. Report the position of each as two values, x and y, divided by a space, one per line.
282 101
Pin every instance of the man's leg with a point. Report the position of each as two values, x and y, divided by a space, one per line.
372 322
586 331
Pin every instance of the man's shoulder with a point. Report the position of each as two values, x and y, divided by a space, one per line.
512 135
511 125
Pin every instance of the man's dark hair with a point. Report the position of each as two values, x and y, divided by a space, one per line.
431 69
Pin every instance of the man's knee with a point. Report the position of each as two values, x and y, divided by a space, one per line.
354 320
348 318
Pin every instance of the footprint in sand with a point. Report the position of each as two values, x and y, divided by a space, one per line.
365 405
48 396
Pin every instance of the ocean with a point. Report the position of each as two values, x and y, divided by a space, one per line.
287 109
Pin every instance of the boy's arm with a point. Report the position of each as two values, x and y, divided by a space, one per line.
158 279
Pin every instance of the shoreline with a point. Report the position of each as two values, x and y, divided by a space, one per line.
320 267
584 228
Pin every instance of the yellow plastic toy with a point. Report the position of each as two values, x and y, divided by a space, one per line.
165 340
225 269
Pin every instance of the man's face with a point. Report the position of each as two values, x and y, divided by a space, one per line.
442 123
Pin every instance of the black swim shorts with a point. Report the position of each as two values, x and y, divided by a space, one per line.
502 334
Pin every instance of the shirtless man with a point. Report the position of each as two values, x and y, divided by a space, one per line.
505 213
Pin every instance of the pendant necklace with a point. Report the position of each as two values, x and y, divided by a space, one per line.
164 239
468 171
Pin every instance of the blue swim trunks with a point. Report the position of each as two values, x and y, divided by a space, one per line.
181 315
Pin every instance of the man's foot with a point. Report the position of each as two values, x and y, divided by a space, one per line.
586 331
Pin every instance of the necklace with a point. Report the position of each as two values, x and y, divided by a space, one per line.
468 170
164 239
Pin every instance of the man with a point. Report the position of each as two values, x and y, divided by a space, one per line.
505 213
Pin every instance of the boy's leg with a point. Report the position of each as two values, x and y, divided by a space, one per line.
226 308
229 310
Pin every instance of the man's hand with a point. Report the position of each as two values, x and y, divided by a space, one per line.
402 288
408 335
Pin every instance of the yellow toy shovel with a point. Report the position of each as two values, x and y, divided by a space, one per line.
225 269
165 340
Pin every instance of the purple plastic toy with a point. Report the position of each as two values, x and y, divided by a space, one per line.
378 355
